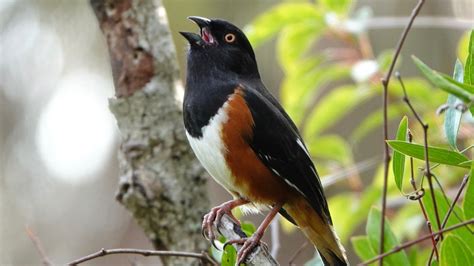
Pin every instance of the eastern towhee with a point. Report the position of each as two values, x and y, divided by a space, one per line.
248 143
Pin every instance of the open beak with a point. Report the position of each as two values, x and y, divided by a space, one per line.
205 36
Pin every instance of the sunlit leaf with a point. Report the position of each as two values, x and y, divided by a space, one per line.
399 158
295 40
456 217
441 82
452 118
463 47
435 154
469 68
334 106
330 147
362 248
339 6
468 203
229 256
373 233
454 252
267 25
302 83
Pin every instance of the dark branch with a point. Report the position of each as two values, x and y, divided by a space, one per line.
162 253
385 82
420 201
416 241
427 171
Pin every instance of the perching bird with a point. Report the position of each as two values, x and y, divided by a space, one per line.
248 143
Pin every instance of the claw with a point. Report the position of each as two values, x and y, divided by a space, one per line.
249 244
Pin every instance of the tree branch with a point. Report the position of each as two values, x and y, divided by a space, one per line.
416 241
144 252
232 231
387 158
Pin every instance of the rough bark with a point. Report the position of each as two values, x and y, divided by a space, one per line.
161 182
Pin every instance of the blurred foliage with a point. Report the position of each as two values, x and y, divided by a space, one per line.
322 87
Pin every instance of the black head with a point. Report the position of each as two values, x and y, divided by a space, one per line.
220 46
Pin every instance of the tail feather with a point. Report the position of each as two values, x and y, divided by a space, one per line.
318 231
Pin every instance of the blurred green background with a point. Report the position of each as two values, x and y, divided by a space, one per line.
58 168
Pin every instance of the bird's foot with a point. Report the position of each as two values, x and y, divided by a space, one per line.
215 216
248 245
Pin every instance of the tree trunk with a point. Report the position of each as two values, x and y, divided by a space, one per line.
161 182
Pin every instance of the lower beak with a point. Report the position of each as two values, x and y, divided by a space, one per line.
192 37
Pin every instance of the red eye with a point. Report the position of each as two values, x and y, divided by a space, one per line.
229 37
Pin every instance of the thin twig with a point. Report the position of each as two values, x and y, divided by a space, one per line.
425 215
416 241
143 252
427 173
387 158
36 241
450 210
297 253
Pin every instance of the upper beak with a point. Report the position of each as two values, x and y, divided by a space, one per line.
192 37
200 21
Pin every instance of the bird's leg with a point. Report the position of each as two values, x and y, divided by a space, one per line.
252 241
216 214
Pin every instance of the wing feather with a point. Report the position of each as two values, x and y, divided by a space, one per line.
279 146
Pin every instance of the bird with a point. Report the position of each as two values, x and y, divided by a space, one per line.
248 143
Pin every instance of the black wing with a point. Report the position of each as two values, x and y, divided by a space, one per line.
278 144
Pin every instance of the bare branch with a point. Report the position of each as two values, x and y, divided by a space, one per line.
144 252
416 241
387 158
425 215
427 171
39 247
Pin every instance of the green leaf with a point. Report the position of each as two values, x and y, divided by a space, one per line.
373 233
339 6
267 25
295 40
303 81
229 256
469 68
463 47
456 217
452 118
399 158
331 147
248 228
337 103
468 203
441 82
362 247
455 253
435 154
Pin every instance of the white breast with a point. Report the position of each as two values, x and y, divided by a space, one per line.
210 149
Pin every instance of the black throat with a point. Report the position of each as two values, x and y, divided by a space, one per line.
211 79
